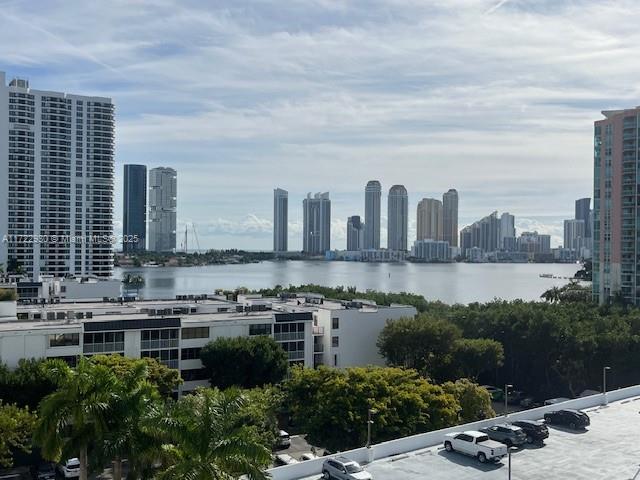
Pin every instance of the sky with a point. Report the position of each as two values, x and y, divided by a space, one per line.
495 98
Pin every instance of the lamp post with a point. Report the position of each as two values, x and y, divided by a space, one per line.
370 413
506 398
509 455
604 383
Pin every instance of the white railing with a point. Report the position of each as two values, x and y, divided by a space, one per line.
430 439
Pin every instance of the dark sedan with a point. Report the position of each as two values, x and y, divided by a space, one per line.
510 435
574 419
535 430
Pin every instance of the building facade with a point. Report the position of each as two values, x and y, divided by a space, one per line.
483 234
398 218
615 207
507 230
312 330
583 212
372 201
355 233
430 220
56 181
574 234
316 224
134 215
431 251
280 220
450 217
163 202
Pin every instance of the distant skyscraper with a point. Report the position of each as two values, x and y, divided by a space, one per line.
316 224
583 211
483 234
355 233
615 207
430 220
56 178
450 217
134 215
280 220
163 201
574 234
507 229
534 242
372 196
398 218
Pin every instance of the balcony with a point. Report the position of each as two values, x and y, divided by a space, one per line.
287 337
318 348
158 344
318 331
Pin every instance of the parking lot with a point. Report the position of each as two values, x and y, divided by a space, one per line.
608 449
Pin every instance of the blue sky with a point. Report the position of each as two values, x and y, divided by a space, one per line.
494 98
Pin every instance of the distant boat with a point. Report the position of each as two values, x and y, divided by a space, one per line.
150 265
546 275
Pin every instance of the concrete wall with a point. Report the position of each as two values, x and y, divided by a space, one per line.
430 439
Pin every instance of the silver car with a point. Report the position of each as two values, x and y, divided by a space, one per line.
341 468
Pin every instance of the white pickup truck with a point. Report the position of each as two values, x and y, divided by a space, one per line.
475 444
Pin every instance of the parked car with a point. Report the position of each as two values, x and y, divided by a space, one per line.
515 397
308 456
342 468
528 402
510 435
284 459
70 468
497 394
283 440
535 430
475 444
574 419
45 471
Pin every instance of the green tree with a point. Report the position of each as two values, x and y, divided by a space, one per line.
16 427
76 416
475 401
332 405
204 441
125 436
474 356
244 361
259 412
30 382
164 378
423 343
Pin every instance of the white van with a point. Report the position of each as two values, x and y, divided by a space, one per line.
284 440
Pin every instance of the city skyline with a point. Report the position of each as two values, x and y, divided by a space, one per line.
190 98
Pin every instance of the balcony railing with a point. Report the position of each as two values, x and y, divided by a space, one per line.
158 344
279 337
103 347
318 330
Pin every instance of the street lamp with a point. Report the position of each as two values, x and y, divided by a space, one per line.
370 413
506 398
604 383
509 450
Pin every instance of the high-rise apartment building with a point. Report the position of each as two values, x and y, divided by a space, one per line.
398 218
163 202
534 242
316 224
450 217
355 233
483 234
280 220
615 207
56 181
134 215
372 199
583 212
574 234
429 224
507 230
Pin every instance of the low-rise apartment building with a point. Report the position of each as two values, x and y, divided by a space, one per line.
311 329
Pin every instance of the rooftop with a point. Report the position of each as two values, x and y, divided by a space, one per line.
606 450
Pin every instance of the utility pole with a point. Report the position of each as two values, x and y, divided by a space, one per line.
506 400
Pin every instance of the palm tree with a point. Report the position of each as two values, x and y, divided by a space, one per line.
76 416
204 439
552 295
125 437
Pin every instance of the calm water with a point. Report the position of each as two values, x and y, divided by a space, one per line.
450 283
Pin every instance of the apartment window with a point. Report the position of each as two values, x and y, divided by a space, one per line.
335 360
335 323
194 374
335 341
195 332
260 329
103 342
190 353
64 340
